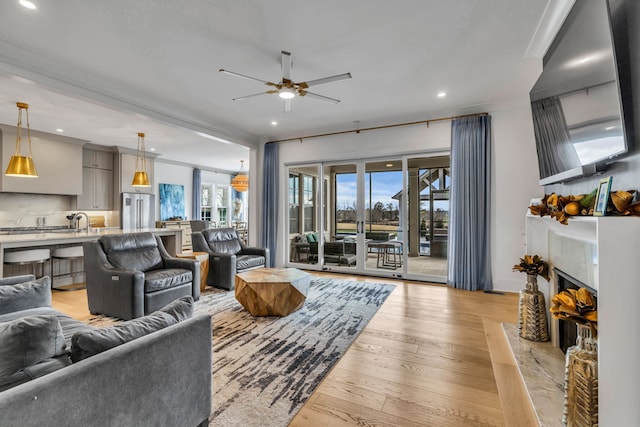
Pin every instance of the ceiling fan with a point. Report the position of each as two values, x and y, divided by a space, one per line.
286 88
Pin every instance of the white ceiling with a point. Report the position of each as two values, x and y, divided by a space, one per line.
103 71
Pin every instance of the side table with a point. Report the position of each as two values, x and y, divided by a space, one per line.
203 257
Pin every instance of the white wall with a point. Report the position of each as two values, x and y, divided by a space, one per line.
514 183
514 175
166 173
169 173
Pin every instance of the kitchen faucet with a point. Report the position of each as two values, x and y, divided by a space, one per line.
76 220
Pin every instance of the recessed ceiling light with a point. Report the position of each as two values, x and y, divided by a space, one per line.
442 94
59 130
389 165
274 123
152 149
27 4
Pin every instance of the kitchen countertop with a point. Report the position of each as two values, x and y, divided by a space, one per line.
53 238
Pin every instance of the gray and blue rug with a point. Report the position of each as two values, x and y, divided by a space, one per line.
265 368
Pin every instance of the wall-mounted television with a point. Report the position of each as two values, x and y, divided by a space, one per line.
577 102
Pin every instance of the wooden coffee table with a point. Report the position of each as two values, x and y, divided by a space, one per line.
272 291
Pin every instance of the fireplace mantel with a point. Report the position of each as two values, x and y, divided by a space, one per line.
616 275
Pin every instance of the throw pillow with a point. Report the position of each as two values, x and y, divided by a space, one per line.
89 343
22 296
28 341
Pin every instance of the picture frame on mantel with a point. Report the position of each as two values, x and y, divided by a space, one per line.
602 197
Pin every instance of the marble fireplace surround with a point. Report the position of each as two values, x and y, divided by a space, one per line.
603 253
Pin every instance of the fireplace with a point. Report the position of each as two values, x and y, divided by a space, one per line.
567 331
602 253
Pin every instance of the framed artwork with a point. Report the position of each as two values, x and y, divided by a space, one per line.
602 197
171 201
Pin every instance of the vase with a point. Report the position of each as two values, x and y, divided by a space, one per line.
532 312
581 381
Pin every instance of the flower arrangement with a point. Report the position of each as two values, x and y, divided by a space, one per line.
533 264
576 306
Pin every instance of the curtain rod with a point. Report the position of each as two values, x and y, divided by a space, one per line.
440 119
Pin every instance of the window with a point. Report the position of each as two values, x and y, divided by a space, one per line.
222 204
308 197
302 201
294 184
205 202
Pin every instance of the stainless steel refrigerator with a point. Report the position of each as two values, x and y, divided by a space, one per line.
137 211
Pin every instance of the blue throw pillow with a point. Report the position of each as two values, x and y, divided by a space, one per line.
89 343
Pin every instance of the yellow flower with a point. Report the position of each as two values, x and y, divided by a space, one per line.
533 264
577 306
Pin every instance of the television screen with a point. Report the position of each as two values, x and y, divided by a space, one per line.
576 104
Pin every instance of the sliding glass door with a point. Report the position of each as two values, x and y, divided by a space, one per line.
384 217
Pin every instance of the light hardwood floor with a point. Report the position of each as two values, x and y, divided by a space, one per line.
423 360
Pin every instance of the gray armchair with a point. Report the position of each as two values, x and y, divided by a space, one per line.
132 275
227 255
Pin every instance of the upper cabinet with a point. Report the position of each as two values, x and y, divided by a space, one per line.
126 166
97 159
97 178
58 161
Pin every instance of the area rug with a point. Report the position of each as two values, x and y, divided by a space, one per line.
265 368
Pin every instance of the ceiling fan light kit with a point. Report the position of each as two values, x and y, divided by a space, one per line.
286 88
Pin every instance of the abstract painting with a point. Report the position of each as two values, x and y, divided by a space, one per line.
171 201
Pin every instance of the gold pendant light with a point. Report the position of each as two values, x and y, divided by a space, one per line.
140 177
20 165
241 181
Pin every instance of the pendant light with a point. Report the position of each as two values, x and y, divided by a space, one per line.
20 165
241 181
140 177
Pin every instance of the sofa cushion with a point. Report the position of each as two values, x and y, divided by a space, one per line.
22 296
69 326
34 371
156 280
29 340
89 343
244 262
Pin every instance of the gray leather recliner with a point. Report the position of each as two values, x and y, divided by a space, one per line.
132 275
227 255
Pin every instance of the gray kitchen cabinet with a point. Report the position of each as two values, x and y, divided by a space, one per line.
97 179
97 159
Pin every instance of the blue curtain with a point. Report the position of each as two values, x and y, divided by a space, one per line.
469 223
270 199
196 202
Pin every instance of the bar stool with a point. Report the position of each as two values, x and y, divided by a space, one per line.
31 257
69 253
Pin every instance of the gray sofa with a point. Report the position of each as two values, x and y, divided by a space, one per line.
131 275
162 378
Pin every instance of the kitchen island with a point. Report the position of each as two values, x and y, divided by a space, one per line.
170 237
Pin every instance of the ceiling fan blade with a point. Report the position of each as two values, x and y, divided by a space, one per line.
287 105
231 73
286 65
325 80
316 96
250 96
